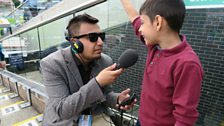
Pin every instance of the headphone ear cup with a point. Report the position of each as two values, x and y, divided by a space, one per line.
77 46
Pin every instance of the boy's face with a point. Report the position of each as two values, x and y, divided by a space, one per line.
148 30
92 50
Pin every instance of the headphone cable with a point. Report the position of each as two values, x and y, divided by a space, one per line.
122 111
111 123
81 59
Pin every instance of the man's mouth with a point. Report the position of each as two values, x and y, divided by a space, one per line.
98 50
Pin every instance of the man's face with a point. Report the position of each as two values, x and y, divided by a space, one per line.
92 50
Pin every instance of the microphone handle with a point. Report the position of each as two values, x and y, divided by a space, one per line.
117 66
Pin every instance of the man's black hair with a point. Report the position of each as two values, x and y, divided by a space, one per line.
74 24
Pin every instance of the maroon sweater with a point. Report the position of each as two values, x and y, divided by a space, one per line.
171 85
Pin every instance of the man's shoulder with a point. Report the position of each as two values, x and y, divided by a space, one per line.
57 55
52 56
188 57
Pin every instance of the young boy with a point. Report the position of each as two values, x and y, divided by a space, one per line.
173 72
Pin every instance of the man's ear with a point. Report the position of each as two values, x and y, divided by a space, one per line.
158 22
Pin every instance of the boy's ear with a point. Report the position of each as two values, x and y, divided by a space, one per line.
158 20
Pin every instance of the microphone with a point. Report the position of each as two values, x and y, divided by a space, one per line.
128 58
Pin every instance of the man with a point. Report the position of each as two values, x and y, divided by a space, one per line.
173 72
78 78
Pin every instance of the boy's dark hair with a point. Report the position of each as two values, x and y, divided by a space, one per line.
172 10
74 24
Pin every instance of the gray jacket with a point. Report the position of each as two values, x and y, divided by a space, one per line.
68 96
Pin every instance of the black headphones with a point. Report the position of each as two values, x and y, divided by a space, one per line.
77 46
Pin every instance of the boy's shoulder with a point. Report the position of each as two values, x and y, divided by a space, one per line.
188 55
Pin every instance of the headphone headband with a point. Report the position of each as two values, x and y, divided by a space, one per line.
67 34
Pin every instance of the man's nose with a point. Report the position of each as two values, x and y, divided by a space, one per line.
99 41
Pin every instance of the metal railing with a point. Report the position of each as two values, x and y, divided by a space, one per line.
26 11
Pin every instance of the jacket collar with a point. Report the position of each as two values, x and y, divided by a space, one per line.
175 50
72 66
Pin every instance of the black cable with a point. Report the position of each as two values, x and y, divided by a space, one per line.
122 111
116 119
81 59
111 123
131 116
101 113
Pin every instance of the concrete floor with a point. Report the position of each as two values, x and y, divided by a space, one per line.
15 114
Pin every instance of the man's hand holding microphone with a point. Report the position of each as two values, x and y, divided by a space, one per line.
108 75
